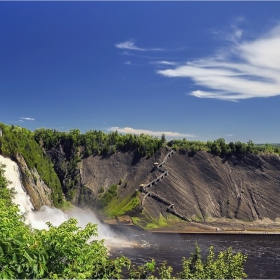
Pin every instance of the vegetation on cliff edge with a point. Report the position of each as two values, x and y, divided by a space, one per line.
97 142
17 140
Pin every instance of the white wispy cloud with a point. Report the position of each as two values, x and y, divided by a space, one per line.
127 53
163 62
131 130
27 119
245 69
130 45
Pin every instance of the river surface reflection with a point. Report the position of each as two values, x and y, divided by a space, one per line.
263 251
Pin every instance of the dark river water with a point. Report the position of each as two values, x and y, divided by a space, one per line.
263 251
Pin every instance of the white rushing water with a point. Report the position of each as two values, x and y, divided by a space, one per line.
38 219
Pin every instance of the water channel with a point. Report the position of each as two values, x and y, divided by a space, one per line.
263 251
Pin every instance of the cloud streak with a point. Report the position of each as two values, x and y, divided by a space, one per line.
163 62
131 130
245 69
130 45
27 119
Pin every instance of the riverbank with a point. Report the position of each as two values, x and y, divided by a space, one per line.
222 226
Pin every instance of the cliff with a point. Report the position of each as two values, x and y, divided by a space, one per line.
39 192
203 186
197 186
117 175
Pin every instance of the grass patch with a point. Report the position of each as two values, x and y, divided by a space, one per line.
136 220
116 207
147 222
157 223
66 205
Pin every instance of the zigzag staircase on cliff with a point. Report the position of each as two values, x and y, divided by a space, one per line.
170 205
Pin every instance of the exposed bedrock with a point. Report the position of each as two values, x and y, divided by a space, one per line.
39 192
199 186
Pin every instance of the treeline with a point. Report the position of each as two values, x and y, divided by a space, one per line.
68 252
220 148
15 139
97 142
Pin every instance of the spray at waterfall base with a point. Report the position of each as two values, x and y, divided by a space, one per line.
38 219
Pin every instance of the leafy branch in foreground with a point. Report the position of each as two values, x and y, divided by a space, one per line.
226 265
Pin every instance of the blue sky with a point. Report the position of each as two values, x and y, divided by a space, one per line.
195 70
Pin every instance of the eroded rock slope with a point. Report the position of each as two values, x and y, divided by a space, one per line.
199 186
204 186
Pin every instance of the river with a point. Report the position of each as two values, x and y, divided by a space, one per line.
263 251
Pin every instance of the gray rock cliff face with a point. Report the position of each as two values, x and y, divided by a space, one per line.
38 191
205 186
200 186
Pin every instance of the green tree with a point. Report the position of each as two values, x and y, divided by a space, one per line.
163 139
226 265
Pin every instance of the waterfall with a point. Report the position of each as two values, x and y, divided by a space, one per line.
38 219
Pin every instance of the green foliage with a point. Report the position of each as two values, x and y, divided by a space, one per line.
108 196
63 252
220 148
19 257
112 205
156 223
117 208
165 271
69 254
97 142
143 271
226 265
5 194
18 140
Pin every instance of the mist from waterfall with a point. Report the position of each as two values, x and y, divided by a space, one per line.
38 219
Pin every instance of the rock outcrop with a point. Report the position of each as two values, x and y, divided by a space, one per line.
39 192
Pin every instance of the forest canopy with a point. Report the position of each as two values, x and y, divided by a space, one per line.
97 142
